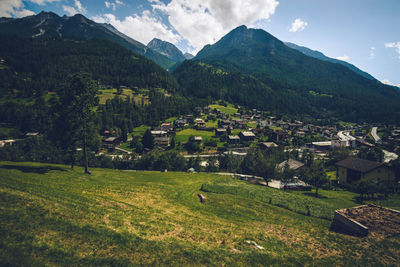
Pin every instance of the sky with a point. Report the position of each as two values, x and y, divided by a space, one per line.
365 33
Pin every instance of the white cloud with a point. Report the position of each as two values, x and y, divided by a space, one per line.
70 10
112 5
42 2
202 22
343 58
14 8
199 22
142 28
372 52
390 83
78 8
23 13
396 46
298 25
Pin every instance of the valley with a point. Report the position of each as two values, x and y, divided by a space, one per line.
114 152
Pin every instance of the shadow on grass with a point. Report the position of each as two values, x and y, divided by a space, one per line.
343 230
39 170
310 194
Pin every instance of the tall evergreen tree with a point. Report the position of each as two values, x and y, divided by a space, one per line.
76 114
148 139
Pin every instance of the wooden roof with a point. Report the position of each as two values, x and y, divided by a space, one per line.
360 165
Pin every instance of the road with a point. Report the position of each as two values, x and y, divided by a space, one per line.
375 135
345 136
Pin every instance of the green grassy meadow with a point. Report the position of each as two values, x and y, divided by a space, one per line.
228 110
52 215
183 136
106 94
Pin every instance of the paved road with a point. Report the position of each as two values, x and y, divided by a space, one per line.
345 136
375 135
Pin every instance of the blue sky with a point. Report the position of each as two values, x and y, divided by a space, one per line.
365 33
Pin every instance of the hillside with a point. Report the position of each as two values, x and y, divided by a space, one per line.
34 71
46 64
47 25
52 215
290 72
319 55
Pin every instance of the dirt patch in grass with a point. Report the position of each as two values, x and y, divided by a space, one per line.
380 221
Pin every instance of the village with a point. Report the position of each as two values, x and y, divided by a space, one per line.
224 129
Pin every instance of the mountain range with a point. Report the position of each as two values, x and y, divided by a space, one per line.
247 66
300 83
167 49
321 56
47 25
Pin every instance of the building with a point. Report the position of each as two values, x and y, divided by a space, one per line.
352 169
220 131
247 136
293 165
266 145
111 142
233 139
200 123
198 139
181 122
189 118
32 134
6 142
159 133
167 127
280 135
338 143
161 141
300 134
322 146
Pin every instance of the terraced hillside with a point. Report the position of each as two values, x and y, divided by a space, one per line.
51 215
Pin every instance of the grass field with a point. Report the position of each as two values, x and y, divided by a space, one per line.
183 136
51 215
228 110
106 94
139 131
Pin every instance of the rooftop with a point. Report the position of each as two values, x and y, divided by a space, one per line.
360 165
293 164
269 144
323 143
248 133
111 139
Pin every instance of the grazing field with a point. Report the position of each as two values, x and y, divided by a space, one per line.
52 215
228 110
183 136
139 131
107 94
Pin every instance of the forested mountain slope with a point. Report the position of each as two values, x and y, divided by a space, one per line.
32 73
319 88
47 25
319 55
36 65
